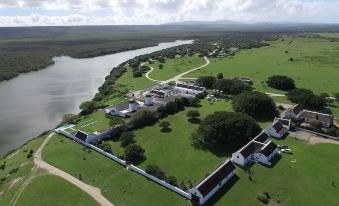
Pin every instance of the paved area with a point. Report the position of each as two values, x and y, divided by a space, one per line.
312 138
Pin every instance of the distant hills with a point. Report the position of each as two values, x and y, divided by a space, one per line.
220 22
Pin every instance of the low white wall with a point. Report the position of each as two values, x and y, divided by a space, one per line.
159 181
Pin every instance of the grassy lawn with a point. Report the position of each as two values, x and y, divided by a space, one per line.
129 82
292 183
120 186
16 161
99 117
329 35
47 189
315 64
173 67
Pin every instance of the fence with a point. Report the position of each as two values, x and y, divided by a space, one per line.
317 133
159 181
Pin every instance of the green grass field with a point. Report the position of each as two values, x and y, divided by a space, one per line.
315 64
48 189
131 83
173 67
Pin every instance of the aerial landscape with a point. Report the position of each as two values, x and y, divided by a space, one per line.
166 102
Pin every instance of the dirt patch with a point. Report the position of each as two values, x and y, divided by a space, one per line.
312 139
11 184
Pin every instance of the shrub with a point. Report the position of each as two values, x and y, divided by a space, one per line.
280 82
332 131
229 86
226 129
255 104
127 138
194 102
165 126
88 107
155 171
220 76
143 118
134 154
161 66
263 199
137 74
171 108
206 81
193 114
316 125
173 181
337 96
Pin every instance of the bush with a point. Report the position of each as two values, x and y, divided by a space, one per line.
171 108
161 66
316 125
193 114
332 131
143 118
220 76
229 86
134 154
307 99
137 74
263 198
88 107
164 126
127 138
155 171
280 82
194 102
173 181
206 81
255 104
226 129
337 96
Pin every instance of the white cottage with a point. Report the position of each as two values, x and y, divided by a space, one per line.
122 109
291 112
276 129
260 149
188 90
212 183
309 116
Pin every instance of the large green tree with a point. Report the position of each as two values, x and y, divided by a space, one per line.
229 86
280 82
255 104
226 129
134 154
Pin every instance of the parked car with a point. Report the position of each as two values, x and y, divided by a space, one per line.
287 151
281 146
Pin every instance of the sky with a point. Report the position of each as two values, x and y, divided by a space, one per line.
136 12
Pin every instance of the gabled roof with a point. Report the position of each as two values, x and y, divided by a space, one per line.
211 181
268 149
316 116
121 107
262 137
250 148
81 135
296 109
285 122
192 87
277 126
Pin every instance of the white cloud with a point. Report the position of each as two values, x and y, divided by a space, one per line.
163 11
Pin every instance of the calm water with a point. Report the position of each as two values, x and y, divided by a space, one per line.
36 101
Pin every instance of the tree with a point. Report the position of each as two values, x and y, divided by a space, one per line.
137 74
180 103
88 107
220 76
227 130
337 96
143 118
115 121
162 111
194 102
306 98
255 104
127 138
229 86
134 154
206 81
156 171
161 66
69 119
164 126
171 108
106 147
193 116
280 82
173 181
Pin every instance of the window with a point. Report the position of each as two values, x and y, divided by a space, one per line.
238 156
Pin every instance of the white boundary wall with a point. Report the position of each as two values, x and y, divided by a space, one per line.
317 133
159 181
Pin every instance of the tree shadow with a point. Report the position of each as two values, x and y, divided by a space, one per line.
194 120
165 130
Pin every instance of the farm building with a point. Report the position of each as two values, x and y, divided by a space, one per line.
285 122
81 135
291 112
277 129
309 116
212 183
159 93
122 109
260 149
188 90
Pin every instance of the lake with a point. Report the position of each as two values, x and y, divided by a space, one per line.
35 102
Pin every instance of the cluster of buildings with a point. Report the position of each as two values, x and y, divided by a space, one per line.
153 94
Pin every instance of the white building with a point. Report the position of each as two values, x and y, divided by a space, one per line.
122 109
212 183
188 90
309 116
260 149
291 112
81 135
276 129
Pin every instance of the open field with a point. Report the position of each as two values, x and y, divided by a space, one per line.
175 66
315 64
329 35
96 122
47 189
130 83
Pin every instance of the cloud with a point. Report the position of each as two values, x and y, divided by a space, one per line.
96 12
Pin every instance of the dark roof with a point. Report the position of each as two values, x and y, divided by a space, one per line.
251 147
268 149
158 92
316 116
262 137
210 182
81 135
296 109
278 126
285 122
192 87
121 107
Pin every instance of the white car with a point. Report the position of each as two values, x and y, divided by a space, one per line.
287 151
